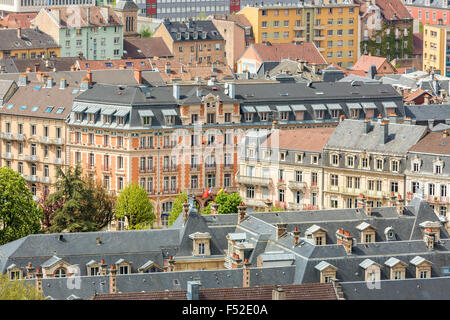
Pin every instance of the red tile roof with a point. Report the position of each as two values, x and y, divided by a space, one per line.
414 95
310 291
279 51
307 139
393 9
364 62
433 142
17 20
137 47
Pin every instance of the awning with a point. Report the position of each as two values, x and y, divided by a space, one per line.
122 113
354 105
92 110
169 112
79 109
318 107
334 106
283 108
389 104
108 112
146 113
248 109
262 108
298 107
368 105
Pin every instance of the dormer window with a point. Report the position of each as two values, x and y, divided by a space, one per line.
93 268
78 116
315 159
437 169
372 270
319 114
14 272
423 267
395 165
284 116
201 243
124 267
146 117
264 116
379 164
282 156
91 117
367 232
415 166
364 162
317 234
334 159
299 157
350 161
120 121
169 116
327 271
170 120
107 119
248 117
398 268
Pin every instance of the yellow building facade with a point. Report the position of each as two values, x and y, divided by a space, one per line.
436 52
333 28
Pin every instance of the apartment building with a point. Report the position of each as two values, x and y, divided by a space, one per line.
195 42
285 170
427 172
18 6
365 159
94 33
33 131
429 11
436 49
386 29
27 44
334 28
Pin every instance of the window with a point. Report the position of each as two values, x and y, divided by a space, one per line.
298 197
350 161
281 195
60 273
395 166
201 248
298 176
431 189
334 179
281 174
438 169
394 186
250 192
335 159
423 274
379 164
123 270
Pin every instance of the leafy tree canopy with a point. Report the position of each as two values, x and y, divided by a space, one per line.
177 207
145 32
228 203
133 203
17 290
19 213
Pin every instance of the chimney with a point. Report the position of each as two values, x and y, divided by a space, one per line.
112 279
89 76
362 205
39 76
445 134
383 137
393 118
103 268
49 82
343 237
342 118
281 229
372 72
199 92
62 83
242 208
366 126
30 271
232 90
278 294
246 274
122 66
19 33
167 68
73 68
426 99
176 91
429 237
138 76
23 79
296 234
214 208
407 120
185 211
193 290
84 84
39 280
268 204
99 241
28 70
171 262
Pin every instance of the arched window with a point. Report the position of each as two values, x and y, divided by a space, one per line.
60 273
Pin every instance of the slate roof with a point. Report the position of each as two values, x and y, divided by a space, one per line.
8 65
126 5
434 112
350 135
30 39
212 34
316 291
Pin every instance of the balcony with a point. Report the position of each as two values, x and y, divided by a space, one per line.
45 179
195 167
295 206
210 166
352 191
31 158
31 178
10 136
299 39
319 27
296 185
254 202
318 38
7 155
106 168
170 169
170 191
333 188
299 28
249 180
436 199
57 161
47 140
228 166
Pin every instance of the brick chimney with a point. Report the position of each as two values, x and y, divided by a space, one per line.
73 68
214 208
278 294
103 268
28 70
429 236
400 206
39 76
268 204
343 237
242 212
138 76
122 66
112 279
30 271
89 76
281 229
296 234
171 263
19 33
246 274
39 276
185 211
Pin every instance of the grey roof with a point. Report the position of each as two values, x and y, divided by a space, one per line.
146 113
283 108
363 226
366 263
262 108
122 113
334 106
392 262
323 265
8 65
276 256
418 260
350 135
298 107
248 109
237 236
50 262
106 111
30 39
318 107
146 265
169 112
191 27
368 105
434 112
92 110
126 5
354 105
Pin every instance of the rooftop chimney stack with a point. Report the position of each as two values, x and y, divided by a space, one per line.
214 208
138 76
372 72
242 208
49 82
232 90
366 126
343 237
112 279
193 290
429 237
384 127
89 76
176 91
393 118
278 294
23 79
296 234
186 206
84 84
281 229
19 33
62 83
198 92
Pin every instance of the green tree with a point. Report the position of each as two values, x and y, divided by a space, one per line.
17 290
202 16
177 207
228 203
81 204
145 32
19 213
133 203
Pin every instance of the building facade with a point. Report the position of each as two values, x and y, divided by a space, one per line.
436 50
429 11
97 33
386 29
19 6
334 28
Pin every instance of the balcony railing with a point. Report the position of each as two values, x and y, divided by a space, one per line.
437 199
57 161
297 185
195 167
228 166
45 179
249 180
299 28
7 155
210 166
319 27
10 136
47 140
170 168
170 191
31 158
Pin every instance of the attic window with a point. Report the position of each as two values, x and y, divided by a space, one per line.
9 106
49 109
34 108
23 108
60 110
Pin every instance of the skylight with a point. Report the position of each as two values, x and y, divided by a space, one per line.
60 110
23 108
34 108
37 88
9 106
108 64
75 91
49 109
